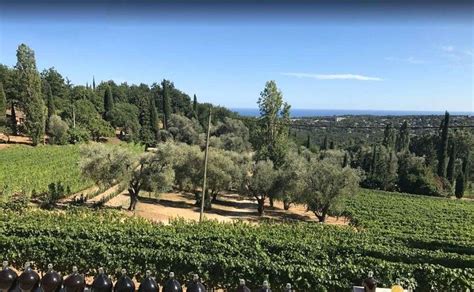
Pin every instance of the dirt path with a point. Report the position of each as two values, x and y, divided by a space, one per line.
85 192
230 207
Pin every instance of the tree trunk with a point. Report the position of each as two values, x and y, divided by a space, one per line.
321 217
286 204
214 197
261 206
133 199
271 202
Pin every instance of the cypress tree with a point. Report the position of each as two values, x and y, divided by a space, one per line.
13 119
154 117
373 162
308 142
345 162
389 137
451 163
50 105
166 103
146 134
332 145
403 139
443 146
31 99
195 105
325 143
93 83
3 104
460 186
108 102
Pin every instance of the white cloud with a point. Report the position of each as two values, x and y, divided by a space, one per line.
333 76
447 48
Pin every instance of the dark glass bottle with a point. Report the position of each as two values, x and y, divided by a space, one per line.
242 287
195 285
148 284
102 282
29 279
8 278
370 285
51 281
265 287
172 285
124 283
74 282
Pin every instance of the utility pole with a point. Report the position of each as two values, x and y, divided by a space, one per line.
203 196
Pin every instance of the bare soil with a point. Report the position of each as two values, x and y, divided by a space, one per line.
228 208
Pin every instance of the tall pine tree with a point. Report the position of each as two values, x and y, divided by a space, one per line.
154 118
50 105
108 102
93 83
273 125
308 142
195 106
389 137
13 123
166 103
451 163
30 93
325 145
443 146
403 139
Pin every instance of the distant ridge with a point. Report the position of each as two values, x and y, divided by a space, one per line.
295 113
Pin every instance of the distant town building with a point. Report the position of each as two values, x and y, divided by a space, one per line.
20 116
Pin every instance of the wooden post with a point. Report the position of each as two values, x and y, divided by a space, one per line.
203 196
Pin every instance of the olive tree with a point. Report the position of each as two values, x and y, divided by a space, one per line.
151 172
324 185
289 181
258 182
57 130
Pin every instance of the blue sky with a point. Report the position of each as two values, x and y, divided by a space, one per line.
402 64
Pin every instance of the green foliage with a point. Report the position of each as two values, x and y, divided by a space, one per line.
389 137
125 116
434 251
460 186
273 125
443 146
108 103
78 135
30 93
232 135
24 169
55 192
403 138
324 186
50 106
3 104
185 130
58 131
166 103
151 172
258 180
417 178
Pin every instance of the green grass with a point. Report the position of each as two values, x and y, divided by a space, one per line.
24 169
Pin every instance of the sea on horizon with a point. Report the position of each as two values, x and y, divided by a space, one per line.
298 113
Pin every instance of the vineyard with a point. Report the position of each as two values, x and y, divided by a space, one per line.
30 170
425 241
